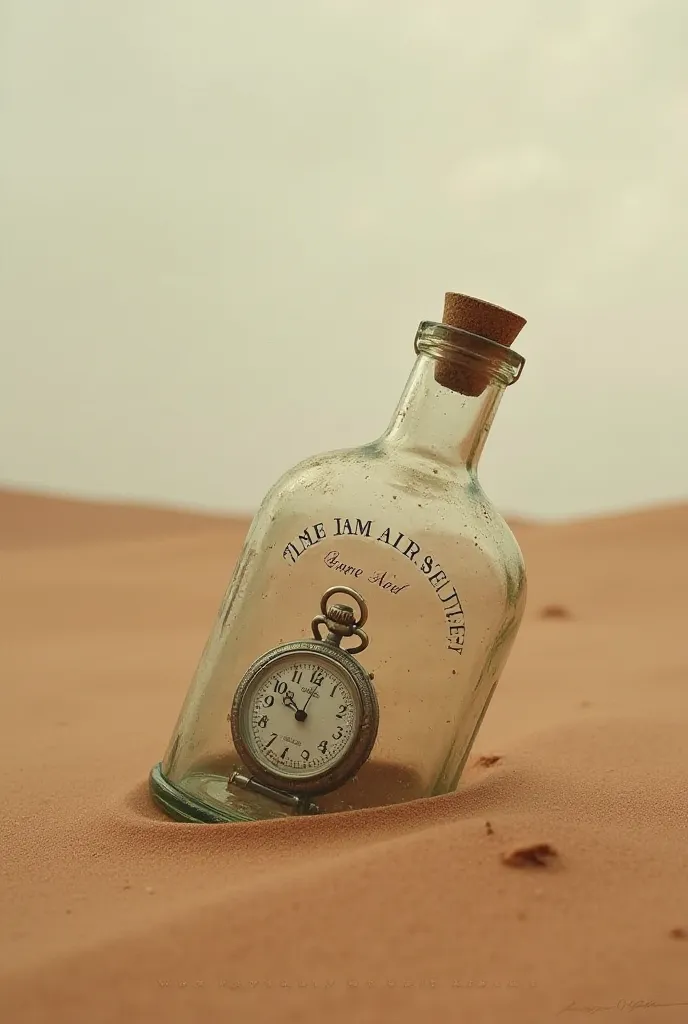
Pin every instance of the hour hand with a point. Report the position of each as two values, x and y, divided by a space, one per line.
288 699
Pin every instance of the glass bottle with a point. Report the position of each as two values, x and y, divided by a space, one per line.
397 535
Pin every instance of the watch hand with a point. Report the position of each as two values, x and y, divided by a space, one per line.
303 709
288 699
301 713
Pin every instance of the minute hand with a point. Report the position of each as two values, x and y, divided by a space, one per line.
301 715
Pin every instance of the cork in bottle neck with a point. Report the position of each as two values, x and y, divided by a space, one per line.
482 320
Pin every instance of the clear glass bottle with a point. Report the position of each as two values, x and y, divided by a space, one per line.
403 525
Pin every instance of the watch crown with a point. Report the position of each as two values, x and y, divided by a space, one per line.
340 620
342 615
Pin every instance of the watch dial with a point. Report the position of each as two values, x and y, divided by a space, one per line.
300 716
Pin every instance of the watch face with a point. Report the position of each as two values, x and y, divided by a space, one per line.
299 716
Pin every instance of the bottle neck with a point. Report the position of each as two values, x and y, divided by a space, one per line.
436 423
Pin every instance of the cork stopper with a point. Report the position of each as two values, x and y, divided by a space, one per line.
482 319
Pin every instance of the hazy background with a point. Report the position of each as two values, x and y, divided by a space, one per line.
221 222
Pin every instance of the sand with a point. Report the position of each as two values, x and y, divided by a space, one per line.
553 883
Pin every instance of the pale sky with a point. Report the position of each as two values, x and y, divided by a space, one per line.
221 221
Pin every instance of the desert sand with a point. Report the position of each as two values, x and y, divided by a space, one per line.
426 911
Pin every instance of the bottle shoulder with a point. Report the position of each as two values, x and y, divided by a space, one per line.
499 541
316 474
431 499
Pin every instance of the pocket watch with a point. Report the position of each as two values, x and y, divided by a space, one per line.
305 715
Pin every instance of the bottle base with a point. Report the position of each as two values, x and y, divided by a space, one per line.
208 796
183 805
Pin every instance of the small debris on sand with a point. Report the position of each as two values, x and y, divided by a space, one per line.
554 611
489 829
537 855
487 760
678 933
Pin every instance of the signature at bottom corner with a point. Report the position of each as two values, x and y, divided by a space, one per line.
621 1006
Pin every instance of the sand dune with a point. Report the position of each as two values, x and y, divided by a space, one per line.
28 520
439 908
